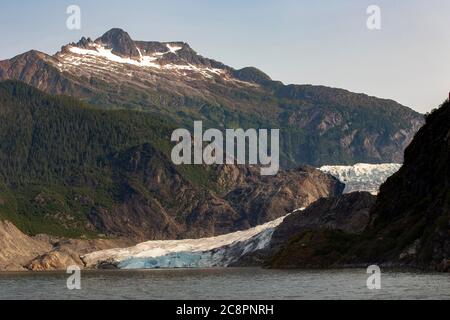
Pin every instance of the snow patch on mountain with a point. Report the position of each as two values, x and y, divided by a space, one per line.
207 72
362 176
100 51
103 58
173 49
220 251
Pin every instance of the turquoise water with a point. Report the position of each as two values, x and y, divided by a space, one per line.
225 284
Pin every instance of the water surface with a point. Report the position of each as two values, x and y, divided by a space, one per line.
225 284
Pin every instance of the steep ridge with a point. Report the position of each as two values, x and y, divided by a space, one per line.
319 125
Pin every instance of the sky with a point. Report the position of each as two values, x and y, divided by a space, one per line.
321 42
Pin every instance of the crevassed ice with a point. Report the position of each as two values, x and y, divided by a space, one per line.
362 176
220 251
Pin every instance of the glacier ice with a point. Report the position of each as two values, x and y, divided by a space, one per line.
362 176
220 251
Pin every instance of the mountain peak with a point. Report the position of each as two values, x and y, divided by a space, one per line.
120 42
252 74
115 34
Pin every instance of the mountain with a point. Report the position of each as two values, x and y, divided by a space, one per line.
408 225
68 169
319 125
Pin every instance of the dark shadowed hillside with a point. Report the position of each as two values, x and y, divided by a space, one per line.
409 224
411 218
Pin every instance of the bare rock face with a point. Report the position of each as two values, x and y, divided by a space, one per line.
20 252
55 260
67 252
288 191
120 42
17 249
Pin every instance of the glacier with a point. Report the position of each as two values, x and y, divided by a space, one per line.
363 176
224 250
220 251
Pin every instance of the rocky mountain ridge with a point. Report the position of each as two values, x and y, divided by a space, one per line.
319 125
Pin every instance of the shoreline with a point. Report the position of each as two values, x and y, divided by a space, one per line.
392 268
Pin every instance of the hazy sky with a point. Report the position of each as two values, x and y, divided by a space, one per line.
318 42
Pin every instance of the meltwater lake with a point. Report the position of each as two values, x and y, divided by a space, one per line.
227 284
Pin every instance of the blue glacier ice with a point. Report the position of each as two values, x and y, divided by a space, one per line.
220 251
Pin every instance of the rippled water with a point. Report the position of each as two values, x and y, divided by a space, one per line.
225 284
